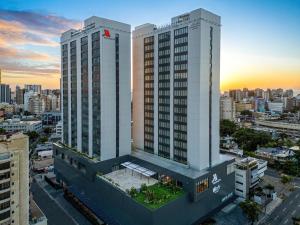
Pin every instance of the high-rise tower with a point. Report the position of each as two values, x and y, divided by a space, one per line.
96 88
176 81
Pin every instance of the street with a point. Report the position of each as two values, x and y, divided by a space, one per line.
289 208
55 214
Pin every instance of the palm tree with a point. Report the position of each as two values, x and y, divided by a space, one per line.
251 210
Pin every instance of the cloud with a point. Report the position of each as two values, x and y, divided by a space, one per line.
44 23
19 31
20 54
41 70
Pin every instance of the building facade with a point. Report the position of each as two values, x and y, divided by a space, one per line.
14 179
5 93
175 125
96 88
227 108
20 95
14 125
248 173
33 87
176 78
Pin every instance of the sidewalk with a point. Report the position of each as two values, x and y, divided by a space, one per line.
273 205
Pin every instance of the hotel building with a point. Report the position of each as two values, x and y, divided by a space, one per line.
175 131
176 82
96 88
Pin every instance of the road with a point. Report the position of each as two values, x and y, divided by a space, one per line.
289 208
55 214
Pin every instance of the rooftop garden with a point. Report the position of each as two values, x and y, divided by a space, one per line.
157 195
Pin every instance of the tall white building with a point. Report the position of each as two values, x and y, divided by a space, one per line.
96 88
227 108
176 80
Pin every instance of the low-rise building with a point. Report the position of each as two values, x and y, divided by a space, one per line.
278 153
59 128
275 107
14 179
47 146
248 172
51 118
14 125
243 106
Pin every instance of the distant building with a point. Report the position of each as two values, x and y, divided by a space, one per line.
20 95
59 128
35 104
260 105
33 87
5 93
14 179
27 96
236 95
14 125
278 153
243 106
51 118
248 172
275 107
227 108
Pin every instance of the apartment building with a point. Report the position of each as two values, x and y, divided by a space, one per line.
14 179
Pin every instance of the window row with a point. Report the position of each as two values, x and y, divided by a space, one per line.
180 127
180 93
180 49
180 84
183 66
183 57
181 40
180 110
164 60
180 31
180 144
202 185
164 44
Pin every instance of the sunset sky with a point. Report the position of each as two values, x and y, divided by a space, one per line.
260 44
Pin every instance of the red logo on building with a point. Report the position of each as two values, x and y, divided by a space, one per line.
106 33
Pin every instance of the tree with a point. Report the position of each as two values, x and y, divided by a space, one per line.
227 127
286 179
47 130
246 113
2 131
251 210
297 157
43 139
32 135
249 139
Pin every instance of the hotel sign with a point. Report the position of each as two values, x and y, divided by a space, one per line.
215 182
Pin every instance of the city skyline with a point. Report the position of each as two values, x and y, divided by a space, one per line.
255 48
